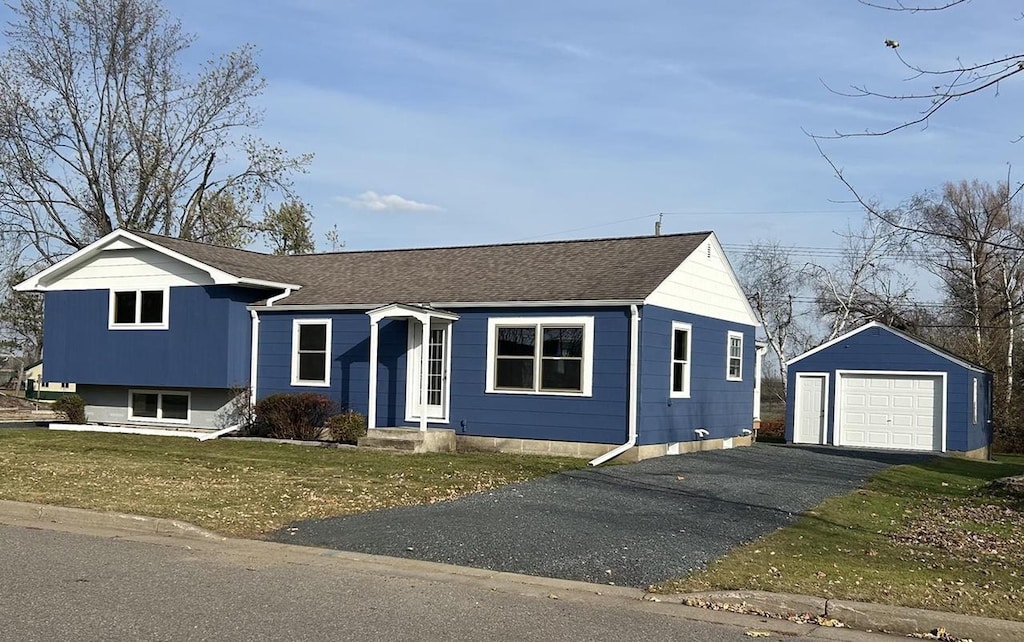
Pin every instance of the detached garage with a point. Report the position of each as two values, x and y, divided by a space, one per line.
877 387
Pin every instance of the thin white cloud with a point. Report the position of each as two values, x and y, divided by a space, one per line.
375 202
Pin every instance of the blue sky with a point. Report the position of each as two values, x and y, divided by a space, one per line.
472 121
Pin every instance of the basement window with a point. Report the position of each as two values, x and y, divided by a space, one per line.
159 405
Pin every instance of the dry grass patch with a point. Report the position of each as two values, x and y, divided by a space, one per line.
927 535
241 488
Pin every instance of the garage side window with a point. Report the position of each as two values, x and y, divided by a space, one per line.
734 367
311 352
680 373
974 399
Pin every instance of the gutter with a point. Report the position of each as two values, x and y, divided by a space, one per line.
634 378
255 347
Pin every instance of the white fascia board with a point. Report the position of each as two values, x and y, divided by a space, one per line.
456 304
272 285
898 333
735 280
37 282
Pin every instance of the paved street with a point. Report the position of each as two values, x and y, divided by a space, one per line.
72 586
633 525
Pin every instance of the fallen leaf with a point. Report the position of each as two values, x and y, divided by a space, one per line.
758 634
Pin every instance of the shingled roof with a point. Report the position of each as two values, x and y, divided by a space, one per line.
587 270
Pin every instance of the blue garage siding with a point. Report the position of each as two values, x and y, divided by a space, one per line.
599 419
877 349
723 408
207 343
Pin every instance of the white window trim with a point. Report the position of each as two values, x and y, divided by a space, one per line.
974 400
159 406
728 355
685 392
586 368
163 325
295 381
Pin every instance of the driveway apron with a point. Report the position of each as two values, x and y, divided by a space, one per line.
630 525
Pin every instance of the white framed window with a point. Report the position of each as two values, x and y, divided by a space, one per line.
311 352
139 309
540 355
171 406
974 399
680 373
734 357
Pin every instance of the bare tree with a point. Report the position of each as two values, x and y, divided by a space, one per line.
932 88
100 127
774 286
864 284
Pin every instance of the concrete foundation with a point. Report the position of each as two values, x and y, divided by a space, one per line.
983 453
432 440
468 443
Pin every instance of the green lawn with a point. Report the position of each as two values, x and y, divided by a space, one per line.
241 488
925 535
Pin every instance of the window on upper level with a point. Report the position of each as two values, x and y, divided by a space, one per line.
138 309
311 352
680 359
734 368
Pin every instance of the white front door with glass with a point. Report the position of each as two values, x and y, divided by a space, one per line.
438 365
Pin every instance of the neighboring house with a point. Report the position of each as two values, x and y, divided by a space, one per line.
641 344
42 388
877 387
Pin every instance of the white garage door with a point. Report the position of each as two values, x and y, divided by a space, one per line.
891 411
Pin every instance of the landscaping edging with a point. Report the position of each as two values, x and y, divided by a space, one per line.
864 616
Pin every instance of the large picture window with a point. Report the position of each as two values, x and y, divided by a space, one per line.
158 405
680 375
540 355
734 368
311 352
138 309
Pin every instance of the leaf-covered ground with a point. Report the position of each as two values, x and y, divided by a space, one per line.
241 488
928 535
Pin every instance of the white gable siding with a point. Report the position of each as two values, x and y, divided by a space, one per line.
704 284
128 269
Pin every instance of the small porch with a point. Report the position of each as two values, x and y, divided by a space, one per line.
428 361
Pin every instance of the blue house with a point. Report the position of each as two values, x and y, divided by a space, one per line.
877 387
639 346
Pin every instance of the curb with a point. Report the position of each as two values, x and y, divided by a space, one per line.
857 617
25 512
865 616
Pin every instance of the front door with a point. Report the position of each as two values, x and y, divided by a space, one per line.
438 364
809 422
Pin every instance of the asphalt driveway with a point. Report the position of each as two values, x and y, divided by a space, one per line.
631 525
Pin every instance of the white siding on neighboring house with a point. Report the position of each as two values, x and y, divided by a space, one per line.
705 284
130 268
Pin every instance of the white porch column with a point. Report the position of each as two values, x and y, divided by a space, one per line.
424 364
371 408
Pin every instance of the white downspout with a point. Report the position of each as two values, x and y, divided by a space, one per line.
634 388
255 347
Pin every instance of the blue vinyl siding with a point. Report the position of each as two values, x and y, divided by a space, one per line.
350 361
877 349
723 408
600 418
206 345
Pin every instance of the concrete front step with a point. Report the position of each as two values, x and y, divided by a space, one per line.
410 440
